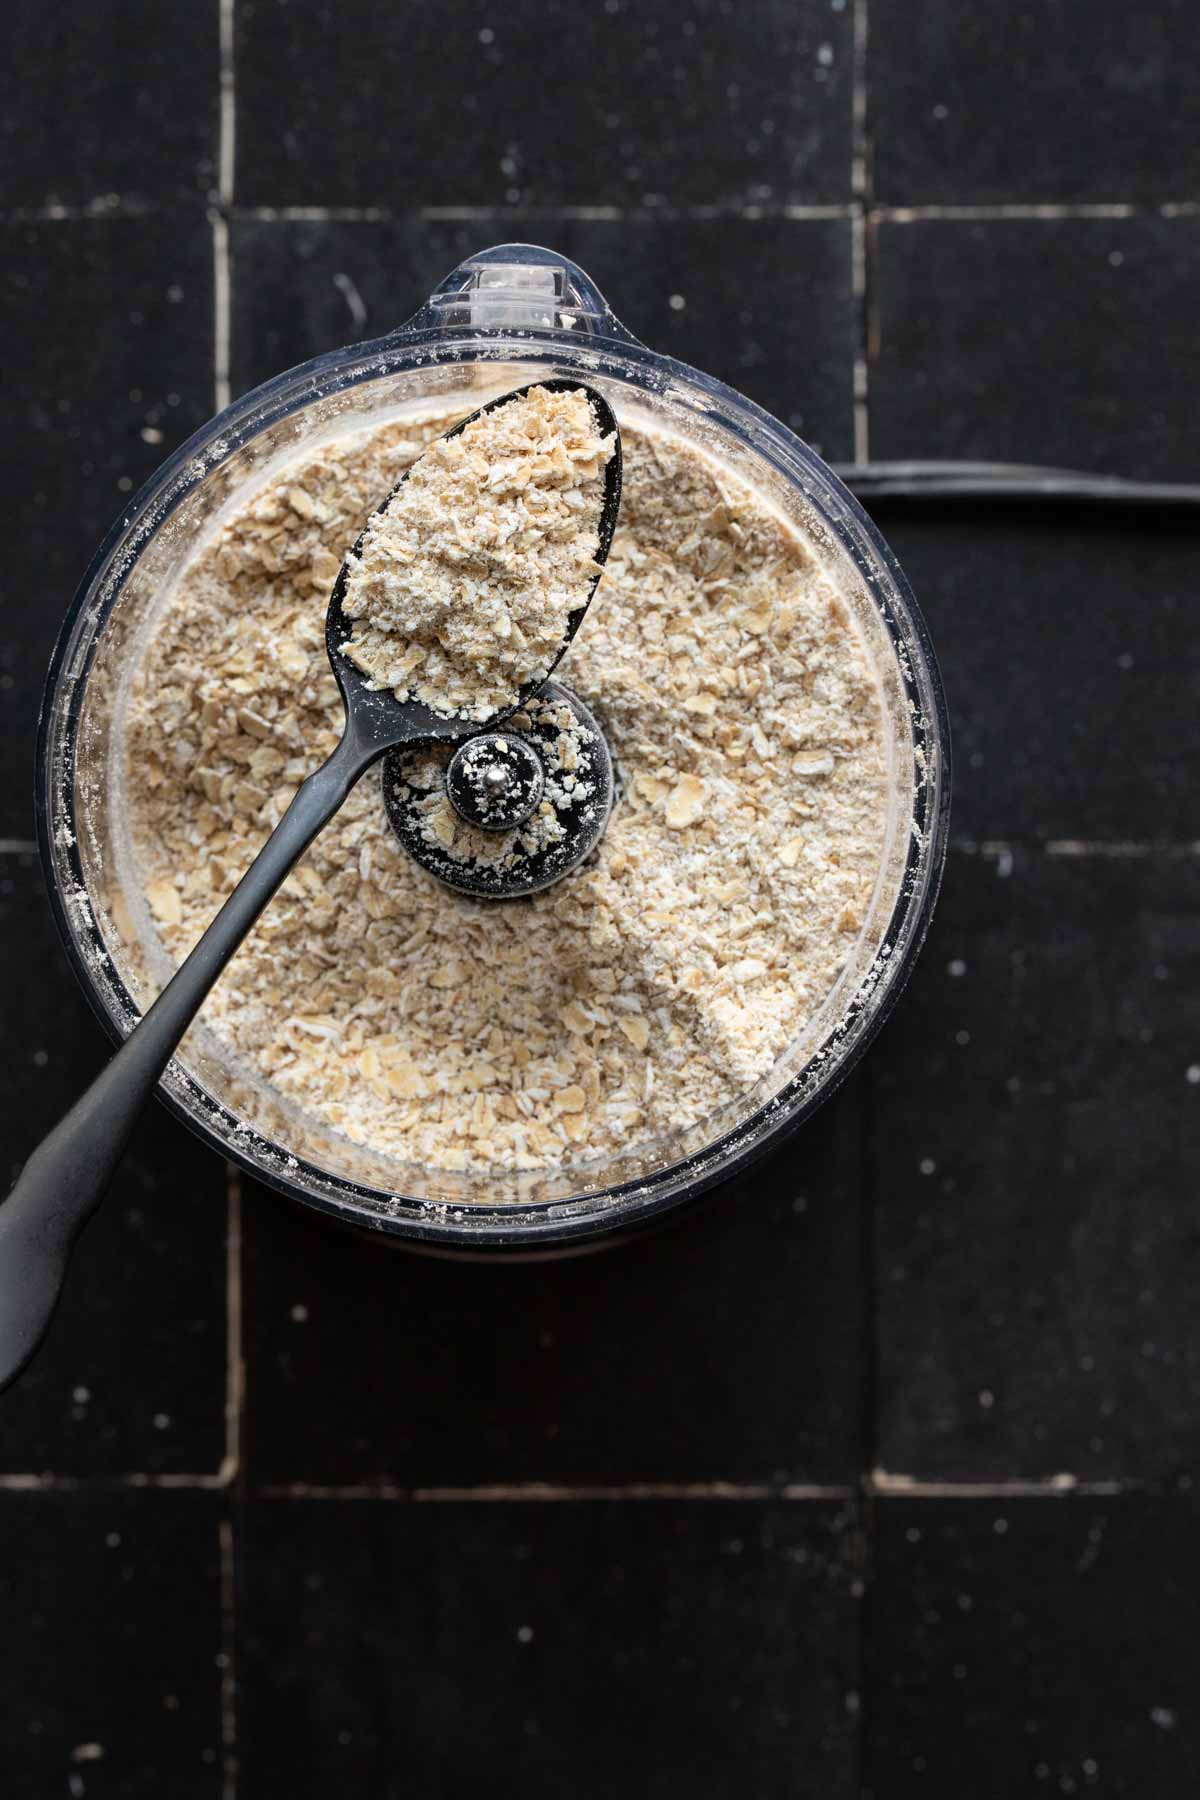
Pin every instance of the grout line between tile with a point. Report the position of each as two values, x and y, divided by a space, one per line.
859 173
1101 209
860 187
885 1484
330 215
789 212
228 112
235 1366
466 214
542 1492
17 847
31 1483
861 246
1084 847
228 1661
221 311
634 214
858 288
1000 850
114 206
869 1389
104 206
502 215
877 1484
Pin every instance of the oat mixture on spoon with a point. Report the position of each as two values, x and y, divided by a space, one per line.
464 583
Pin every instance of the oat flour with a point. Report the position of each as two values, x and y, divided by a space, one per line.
644 991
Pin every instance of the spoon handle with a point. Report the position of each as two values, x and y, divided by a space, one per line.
65 1178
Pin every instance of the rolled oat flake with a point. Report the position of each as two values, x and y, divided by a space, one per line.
655 984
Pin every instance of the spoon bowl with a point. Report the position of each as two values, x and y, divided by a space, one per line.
378 712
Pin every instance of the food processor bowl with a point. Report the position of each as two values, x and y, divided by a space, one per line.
511 315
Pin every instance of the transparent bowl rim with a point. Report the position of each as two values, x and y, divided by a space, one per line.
598 1213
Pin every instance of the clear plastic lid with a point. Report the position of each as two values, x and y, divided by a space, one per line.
508 315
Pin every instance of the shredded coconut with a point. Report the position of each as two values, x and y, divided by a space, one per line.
466 579
644 991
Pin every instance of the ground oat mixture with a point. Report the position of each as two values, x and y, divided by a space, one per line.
568 790
645 990
466 580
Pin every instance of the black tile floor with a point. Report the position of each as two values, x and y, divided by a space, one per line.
114 1643
719 302
597 1647
645 1365
134 1375
1073 101
1072 669
608 104
1032 1646
877 1477
109 109
1039 1275
114 319
1056 340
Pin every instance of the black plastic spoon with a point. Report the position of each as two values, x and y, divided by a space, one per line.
65 1179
